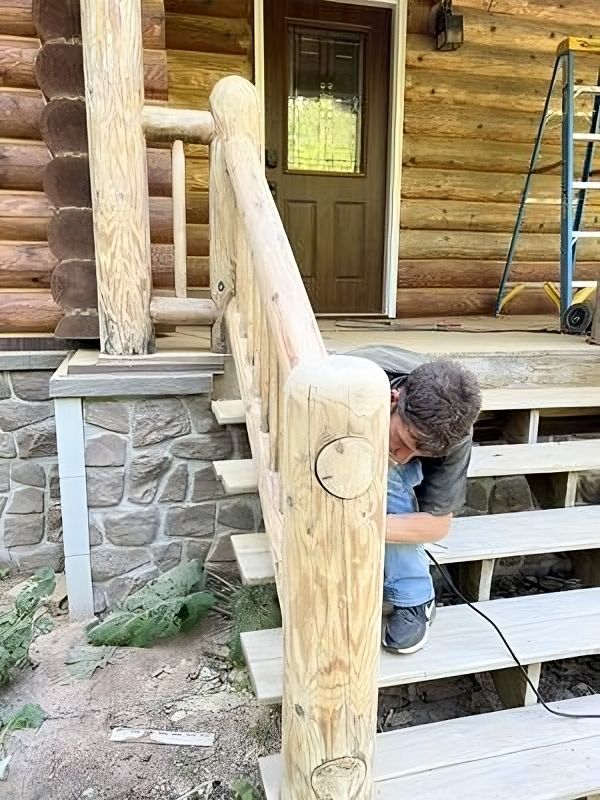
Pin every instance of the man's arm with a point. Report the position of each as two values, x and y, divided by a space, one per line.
418 528
441 494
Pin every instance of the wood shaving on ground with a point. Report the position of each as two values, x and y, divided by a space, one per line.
152 736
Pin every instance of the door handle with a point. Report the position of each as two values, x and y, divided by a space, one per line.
271 157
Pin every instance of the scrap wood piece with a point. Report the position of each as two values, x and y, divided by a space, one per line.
152 736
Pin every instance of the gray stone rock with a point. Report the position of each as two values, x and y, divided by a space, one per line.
20 530
32 384
47 554
166 555
122 586
100 603
7 446
54 528
241 445
108 561
196 520
157 420
104 486
95 529
205 446
221 548
37 441
2 504
145 472
15 414
28 473
113 415
4 386
132 528
4 477
175 488
54 482
106 450
238 512
478 493
206 484
26 501
588 488
197 549
511 494
201 416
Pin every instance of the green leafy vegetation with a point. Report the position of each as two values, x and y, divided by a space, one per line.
243 790
172 603
20 625
254 608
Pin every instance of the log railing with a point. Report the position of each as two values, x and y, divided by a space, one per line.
318 427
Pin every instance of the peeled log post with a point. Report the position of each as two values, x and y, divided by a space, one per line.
113 64
336 430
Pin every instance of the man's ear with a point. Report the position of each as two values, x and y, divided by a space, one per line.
394 395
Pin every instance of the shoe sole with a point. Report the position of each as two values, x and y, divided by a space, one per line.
405 651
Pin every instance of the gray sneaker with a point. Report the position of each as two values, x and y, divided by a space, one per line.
406 629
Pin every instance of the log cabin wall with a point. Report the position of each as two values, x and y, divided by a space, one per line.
206 40
471 117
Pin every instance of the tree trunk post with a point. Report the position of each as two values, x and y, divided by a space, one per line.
114 89
334 476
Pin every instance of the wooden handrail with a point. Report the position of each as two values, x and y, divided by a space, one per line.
292 323
163 124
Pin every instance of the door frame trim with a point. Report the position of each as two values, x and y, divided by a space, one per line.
399 10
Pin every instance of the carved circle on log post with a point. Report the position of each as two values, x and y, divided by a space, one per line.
331 467
342 777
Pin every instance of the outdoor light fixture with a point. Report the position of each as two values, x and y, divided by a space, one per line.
448 27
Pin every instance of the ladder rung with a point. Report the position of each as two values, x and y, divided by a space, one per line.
586 234
545 201
587 89
586 137
586 184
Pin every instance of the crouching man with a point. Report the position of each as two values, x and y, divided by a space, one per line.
433 408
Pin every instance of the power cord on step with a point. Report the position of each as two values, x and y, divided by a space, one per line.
453 588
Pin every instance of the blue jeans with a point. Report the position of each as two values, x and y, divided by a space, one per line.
407 581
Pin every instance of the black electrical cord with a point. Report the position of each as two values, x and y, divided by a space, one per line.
453 588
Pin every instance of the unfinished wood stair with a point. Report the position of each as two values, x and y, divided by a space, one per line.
540 628
483 538
523 753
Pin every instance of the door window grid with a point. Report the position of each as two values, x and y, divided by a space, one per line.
325 100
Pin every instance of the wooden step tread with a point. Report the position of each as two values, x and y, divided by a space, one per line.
536 397
522 754
237 475
539 628
555 530
486 461
229 412
512 399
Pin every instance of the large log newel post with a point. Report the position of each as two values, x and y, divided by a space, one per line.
334 481
114 89
234 106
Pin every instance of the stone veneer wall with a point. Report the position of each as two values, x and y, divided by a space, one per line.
153 496
30 517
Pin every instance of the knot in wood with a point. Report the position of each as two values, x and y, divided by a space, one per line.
345 467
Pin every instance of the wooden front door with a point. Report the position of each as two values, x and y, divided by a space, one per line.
327 69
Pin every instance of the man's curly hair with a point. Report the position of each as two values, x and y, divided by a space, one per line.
439 402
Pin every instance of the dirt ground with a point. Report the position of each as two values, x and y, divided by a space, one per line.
182 684
188 684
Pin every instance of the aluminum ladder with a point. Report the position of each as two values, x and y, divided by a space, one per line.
573 192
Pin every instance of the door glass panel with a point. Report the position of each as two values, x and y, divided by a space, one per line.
325 100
